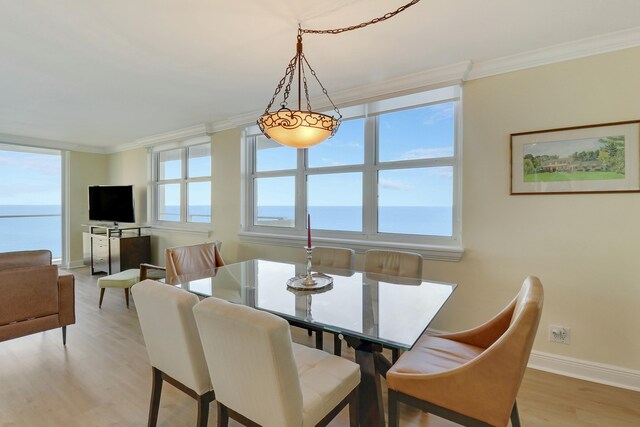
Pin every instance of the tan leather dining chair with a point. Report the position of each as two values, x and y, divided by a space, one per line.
471 377
184 260
262 378
175 351
393 263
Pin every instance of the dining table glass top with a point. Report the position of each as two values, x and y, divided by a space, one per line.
389 310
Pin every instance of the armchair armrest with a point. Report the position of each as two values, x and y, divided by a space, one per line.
66 299
150 271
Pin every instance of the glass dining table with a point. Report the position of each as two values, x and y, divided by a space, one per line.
369 310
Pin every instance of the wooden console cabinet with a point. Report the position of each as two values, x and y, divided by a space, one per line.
112 250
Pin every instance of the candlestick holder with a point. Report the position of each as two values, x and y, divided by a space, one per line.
309 279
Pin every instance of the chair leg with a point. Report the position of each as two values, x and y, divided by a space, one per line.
337 345
64 335
156 391
319 341
395 355
515 417
223 415
353 409
126 296
101 297
393 409
203 411
309 332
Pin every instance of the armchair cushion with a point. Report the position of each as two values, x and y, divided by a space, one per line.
431 355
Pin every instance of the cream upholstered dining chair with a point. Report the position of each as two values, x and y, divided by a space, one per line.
393 263
331 260
184 260
471 377
329 257
174 347
262 378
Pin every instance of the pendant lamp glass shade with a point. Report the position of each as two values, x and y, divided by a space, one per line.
298 129
305 128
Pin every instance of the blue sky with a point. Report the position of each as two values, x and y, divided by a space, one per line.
29 178
427 132
418 133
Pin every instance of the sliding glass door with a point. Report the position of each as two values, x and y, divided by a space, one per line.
30 199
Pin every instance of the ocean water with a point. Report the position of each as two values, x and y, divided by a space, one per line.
17 234
431 221
21 234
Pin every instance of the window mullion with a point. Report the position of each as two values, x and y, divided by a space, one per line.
369 180
301 191
183 186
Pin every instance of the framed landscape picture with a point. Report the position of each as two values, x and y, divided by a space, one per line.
583 159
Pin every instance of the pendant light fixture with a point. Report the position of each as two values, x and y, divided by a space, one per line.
303 128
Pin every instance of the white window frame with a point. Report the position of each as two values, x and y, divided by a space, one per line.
184 181
431 247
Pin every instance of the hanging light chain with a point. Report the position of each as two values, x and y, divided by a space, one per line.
304 82
288 72
361 25
324 91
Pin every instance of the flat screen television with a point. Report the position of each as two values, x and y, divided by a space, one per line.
113 203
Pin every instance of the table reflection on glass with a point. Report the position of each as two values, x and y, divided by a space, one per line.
369 310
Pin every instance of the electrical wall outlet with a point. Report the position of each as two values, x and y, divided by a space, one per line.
560 334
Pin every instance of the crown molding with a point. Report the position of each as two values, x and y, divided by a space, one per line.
49 143
562 52
177 135
455 73
397 86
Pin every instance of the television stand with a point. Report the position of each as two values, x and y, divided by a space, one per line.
112 249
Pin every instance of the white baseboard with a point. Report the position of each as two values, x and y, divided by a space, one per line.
584 370
75 264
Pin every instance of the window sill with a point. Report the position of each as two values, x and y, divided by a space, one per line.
430 252
187 229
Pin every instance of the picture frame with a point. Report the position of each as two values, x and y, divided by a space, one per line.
599 158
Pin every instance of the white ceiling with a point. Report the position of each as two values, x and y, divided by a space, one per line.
100 74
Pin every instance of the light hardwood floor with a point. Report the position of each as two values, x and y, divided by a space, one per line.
103 378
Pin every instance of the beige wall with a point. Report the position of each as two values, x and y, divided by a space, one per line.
131 168
583 247
84 169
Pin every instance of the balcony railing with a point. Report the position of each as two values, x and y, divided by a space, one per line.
22 232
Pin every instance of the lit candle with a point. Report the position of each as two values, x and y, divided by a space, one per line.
308 230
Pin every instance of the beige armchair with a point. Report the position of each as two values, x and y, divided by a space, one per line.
174 348
262 378
471 377
33 296
184 260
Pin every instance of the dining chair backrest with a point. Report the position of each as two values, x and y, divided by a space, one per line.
192 259
251 362
393 263
325 256
170 333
